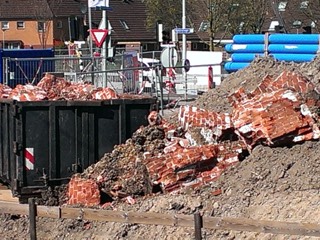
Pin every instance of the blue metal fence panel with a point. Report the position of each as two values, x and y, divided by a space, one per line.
28 71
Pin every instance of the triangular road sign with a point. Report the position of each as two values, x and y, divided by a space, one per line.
99 35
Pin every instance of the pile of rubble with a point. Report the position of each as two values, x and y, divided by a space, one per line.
56 88
165 157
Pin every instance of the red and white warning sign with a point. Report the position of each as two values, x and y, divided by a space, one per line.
29 158
99 35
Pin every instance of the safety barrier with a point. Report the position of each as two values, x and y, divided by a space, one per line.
31 70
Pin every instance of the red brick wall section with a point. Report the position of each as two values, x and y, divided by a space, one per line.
83 191
195 117
286 80
272 111
192 166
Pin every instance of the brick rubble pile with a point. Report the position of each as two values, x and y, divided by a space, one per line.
168 157
55 88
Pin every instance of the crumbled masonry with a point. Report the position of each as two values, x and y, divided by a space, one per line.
55 88
282 110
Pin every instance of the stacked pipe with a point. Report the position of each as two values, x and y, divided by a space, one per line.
283 47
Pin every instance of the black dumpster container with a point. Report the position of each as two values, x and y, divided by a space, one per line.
43 143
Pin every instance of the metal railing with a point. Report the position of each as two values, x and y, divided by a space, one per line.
86 69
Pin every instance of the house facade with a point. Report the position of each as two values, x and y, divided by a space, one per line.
39 23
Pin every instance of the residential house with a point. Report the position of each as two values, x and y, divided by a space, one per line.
51 23
36 23
47 23
292 17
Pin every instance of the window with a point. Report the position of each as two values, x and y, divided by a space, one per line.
59 24
273 25
5 25
282 6
144 47
194 46
204 26
124 25
304 4
41 27
297 24
20 25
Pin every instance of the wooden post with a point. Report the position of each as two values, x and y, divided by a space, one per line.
197 226
32 218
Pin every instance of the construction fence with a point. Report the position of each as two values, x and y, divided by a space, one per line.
124 73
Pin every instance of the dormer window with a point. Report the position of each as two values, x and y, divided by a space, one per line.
124 24
297 24
304 4
282 6
273 25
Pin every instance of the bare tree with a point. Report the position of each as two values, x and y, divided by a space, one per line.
43 14
218 18
252 14
224 18
169 12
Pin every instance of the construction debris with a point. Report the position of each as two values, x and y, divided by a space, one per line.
194 152
56 88
278 111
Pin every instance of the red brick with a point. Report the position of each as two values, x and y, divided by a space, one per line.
87 193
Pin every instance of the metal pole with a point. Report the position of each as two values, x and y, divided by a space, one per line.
90 44
104 46
184 50
210 26
90 28
161 91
